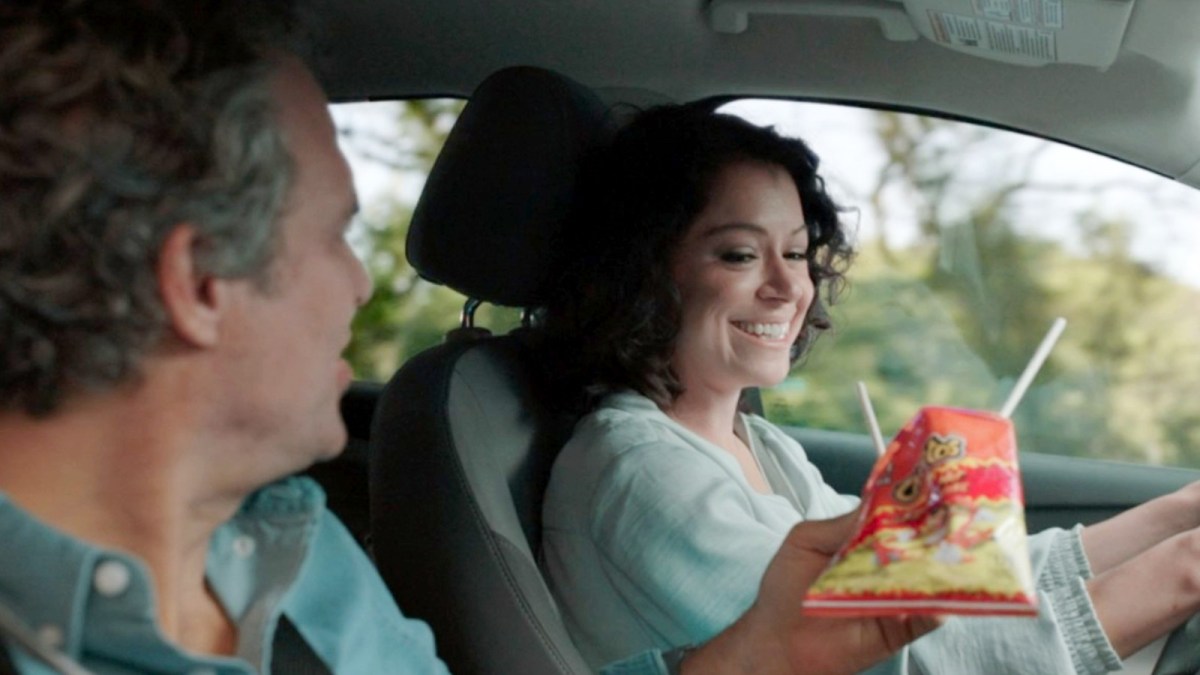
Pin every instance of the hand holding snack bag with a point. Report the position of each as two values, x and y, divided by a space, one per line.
942 526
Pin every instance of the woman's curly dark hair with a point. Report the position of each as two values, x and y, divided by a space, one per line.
613 311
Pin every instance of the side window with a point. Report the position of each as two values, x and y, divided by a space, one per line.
391 147
970 241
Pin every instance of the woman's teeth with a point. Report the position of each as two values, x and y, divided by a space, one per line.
770 331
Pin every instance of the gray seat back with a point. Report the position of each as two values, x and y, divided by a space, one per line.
464 437
456 504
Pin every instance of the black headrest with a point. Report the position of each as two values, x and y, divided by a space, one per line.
503 185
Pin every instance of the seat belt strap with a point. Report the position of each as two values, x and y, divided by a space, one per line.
291 653
7 667
13 632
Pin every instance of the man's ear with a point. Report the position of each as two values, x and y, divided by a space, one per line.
193 302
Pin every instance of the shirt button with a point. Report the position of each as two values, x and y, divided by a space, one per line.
111 578
51 636
243 546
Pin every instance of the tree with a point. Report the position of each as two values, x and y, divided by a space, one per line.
949 300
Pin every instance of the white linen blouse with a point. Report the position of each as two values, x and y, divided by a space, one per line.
653 538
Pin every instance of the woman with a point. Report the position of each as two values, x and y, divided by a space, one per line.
703 251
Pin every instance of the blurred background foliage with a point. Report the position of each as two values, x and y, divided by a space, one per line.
405 314
947 314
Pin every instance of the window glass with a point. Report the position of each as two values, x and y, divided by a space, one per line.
970 241
391 146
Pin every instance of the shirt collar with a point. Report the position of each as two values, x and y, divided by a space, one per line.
45 575
53 581
256 557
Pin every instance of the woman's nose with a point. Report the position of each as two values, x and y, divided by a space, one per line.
784 279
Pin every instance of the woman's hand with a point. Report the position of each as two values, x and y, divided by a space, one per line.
775 637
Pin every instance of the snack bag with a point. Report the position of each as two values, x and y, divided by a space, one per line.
942 526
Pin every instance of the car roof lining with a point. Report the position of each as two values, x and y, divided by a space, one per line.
667 51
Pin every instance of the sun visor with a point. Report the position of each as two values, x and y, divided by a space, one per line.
1026 32
1019 32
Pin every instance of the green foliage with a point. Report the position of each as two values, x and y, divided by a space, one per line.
953 318
946 313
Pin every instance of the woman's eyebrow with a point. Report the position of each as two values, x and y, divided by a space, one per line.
734 226
749 227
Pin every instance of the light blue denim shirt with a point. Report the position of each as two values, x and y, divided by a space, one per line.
282 553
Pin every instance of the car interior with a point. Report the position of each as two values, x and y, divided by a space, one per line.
442 478
443 475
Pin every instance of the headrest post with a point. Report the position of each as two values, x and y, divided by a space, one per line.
468 313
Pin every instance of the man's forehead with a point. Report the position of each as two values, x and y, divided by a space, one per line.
321 175
302 105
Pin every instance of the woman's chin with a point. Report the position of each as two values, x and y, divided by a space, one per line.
768 377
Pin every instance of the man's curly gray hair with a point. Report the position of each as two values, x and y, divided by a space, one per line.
120 119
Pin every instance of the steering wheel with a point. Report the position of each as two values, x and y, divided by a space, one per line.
1181 653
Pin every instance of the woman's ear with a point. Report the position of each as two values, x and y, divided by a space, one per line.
192 300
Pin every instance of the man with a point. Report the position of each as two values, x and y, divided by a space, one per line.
176 349
175 292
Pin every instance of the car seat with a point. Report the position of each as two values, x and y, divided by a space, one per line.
463 437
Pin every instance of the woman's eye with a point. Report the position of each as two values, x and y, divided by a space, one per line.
737 257
796 255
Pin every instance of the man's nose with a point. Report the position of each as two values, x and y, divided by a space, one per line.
363 285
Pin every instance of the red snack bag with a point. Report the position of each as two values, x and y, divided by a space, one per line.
942 526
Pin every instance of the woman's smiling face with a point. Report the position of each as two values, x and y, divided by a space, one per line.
743 280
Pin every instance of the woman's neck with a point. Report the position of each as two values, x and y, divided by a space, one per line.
715 420
710 415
